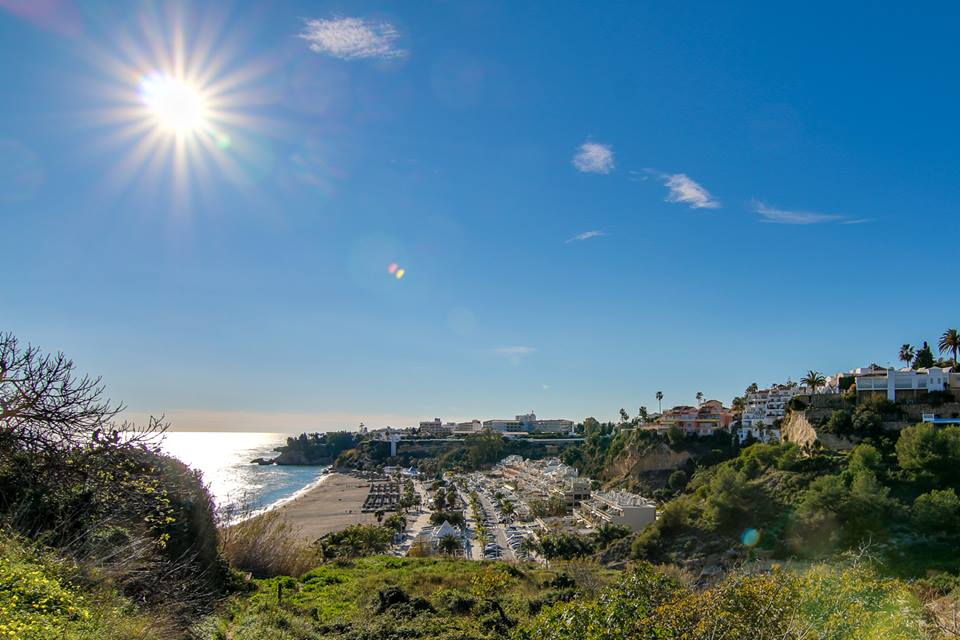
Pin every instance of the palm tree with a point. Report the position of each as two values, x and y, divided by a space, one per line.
659 401
950 341
699 397
452 499
906 354
814 380
448 545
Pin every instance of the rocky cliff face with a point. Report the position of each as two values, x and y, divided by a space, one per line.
796 428
632 463
291 456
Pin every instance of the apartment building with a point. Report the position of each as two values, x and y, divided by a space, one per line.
619 508
701 421
765 407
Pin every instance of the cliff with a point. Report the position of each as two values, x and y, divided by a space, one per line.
798 429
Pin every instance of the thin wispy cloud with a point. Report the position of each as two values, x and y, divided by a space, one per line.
776 215
593 157
586 235
682 189
514 351
353 38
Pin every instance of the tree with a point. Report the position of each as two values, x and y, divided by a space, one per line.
45 407
937 512
452 499
699 397
924 357
950 341
395 522
643 414
931 451
624 416
455 518
907 352
660 401
607 533
677 480
814 380
449 545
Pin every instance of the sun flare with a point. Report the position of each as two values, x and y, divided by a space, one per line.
178 107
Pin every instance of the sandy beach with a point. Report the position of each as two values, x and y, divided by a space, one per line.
332 505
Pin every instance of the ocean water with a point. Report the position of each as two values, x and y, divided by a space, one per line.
236 485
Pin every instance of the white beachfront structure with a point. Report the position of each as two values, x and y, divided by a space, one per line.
430 537
620 508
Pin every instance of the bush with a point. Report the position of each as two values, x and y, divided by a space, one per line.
44 597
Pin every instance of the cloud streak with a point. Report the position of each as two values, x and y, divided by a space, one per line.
586 235
775 215
352 38
593 157
685 190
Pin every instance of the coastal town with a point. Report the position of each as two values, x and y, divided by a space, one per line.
507 509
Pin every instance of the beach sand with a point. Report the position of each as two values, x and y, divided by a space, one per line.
331 506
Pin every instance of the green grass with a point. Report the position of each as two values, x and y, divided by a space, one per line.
340 600
43 597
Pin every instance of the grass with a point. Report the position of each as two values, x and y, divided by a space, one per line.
267 546
44 597
447 599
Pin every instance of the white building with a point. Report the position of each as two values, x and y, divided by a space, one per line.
528 423
437 428
546 478
430 537
765 407
899 383
467 428
620 508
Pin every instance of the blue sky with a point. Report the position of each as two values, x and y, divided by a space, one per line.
590 202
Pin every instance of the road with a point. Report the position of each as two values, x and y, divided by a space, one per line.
499 531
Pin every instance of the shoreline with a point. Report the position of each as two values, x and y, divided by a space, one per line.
333 503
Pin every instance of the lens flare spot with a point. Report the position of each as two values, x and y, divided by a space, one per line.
400 273
750 538
393 268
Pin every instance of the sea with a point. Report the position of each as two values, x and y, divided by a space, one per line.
239 488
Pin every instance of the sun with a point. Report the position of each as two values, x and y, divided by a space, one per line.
177 106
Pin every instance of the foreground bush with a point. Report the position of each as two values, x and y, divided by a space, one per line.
44 598
99 492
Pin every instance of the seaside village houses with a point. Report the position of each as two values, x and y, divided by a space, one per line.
552 478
